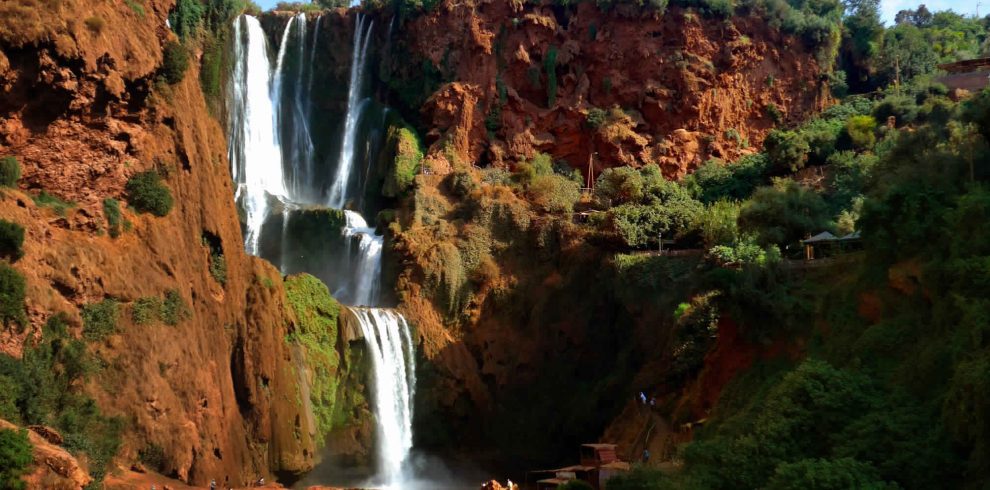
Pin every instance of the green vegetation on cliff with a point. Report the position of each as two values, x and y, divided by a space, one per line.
148 194
316 331
15 458
47 386
10 171
11 240
12 290
408 159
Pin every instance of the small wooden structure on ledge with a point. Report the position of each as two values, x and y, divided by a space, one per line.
599 463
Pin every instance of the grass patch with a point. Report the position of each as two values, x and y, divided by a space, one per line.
146 310
111 208
46 200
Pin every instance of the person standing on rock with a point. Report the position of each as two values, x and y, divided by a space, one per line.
642 398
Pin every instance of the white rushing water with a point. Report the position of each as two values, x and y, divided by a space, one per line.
254 152
363 287
355 106
391 352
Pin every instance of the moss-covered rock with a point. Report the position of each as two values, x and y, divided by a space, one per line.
408 158
316 331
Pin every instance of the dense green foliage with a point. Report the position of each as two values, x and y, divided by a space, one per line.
12 290
645 205
11 240
15 457
10 171
46 386
175 62
148 194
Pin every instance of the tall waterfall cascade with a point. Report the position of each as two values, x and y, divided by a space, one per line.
274 166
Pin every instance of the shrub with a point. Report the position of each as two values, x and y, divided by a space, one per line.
11 240
595 118
784 213
94 24
10 171
12 291
15 458
146 310
714 181
902 108
148 195
554 193
774 113
826 474
619 185
717 223
527 172
175 62
860 130
218 267
100 319
152 456
111 208
787 151
174 308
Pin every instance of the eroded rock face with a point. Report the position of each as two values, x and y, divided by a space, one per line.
79 109
687 88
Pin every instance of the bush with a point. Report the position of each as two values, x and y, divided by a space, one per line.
218 267
787 151
596 118
717 223
10 171
148 195
860 130
175 62
11 240
94 24
146 310
783 214
100 319
12 291
619 185
111 208
714 180
15 458
174 308
554 193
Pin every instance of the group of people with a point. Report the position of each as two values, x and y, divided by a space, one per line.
652 401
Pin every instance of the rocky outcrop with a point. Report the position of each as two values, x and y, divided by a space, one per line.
53 466
620 87
81 108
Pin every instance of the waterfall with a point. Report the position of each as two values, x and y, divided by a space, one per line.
271 155
364 285
345 163
254 153
390 345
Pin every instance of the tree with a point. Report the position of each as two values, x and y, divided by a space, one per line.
787 151
619 185
860 130
12 291
827 474
783 214
15 457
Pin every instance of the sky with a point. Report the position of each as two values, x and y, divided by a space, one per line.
888 8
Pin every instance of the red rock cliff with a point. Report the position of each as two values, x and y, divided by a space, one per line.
689 88
80 108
